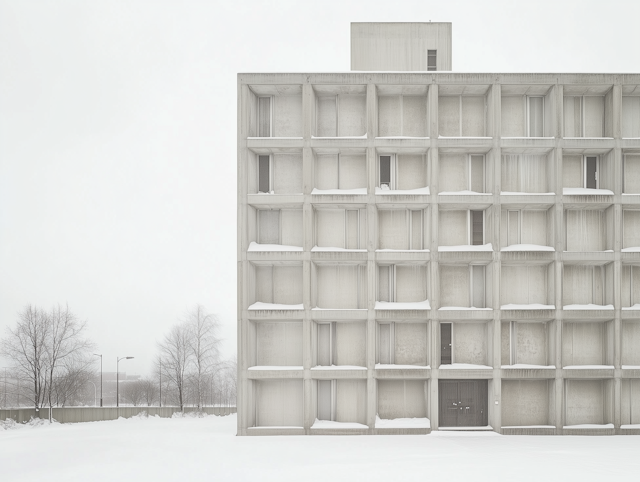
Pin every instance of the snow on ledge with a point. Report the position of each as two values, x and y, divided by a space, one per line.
320 249
467 247
634 249
532 306
363 136
527 247
360 190
628 426
387 250
590 306
276 427
513 193
463 193
591 426
272 247
520 366
415 305
528 426
384 192
317 308
630 367
402 422
338 425
464 366
265 367
583 191
448 308
381 366
588 367
338 367
259 305
273 137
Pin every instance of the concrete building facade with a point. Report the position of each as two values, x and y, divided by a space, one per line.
426 250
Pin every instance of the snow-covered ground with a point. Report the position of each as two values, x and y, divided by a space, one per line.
203 449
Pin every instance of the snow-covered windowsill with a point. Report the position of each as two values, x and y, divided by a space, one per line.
253 246
424 191
583 191
259 305
467 247
415 305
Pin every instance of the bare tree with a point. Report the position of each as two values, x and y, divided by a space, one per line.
43 346
69 387
175 353
150 391
134 392
204 346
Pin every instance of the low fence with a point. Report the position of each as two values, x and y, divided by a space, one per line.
96 414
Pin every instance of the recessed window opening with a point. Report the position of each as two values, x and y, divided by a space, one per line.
446 343
387 283
431 60
388 165
326 400
476 228
590 172
264 116
513 227
326 343
265 181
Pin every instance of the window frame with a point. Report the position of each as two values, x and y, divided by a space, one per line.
259 111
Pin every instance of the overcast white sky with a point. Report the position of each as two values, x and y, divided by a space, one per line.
118 135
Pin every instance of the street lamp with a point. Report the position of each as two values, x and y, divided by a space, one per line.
118 378
95 354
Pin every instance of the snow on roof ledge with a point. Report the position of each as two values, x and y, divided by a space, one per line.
532 306
583 191
467 247
416 305
527 247
259 305
384 192
402 422
634 307
253 246
337 425
464 366
589 306
360 190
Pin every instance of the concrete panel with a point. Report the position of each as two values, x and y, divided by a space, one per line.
411 344
584 402
279 344
351 346
291 227
269 226
351 401
572 171
338 287
326 116
393 229
531 344
330 228
352 115
411 171
630 116
287 116
526 402
278 403
454 173
523 285
414 116
287 173
631 180
585 230
505 343
454 285
534 227
411 283
513 120
524 173
287 285
473 116
389 115
470 343
326 171
630 229
583 344
631 343
401 399
353 172
593 115
630 402
453 228
449 116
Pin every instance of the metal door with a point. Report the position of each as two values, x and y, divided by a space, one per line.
463 403
445 343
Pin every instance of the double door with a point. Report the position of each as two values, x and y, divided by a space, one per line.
463 403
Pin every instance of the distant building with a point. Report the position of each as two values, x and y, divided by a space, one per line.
426 250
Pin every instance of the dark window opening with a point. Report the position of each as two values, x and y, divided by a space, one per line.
431 60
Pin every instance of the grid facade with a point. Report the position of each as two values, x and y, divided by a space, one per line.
409 241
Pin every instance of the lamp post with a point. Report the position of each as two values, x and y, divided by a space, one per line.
118 378
95 354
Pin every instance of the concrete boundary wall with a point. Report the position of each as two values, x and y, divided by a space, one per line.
96 414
